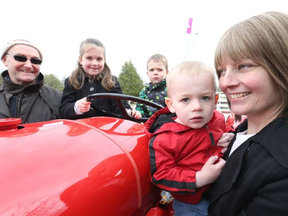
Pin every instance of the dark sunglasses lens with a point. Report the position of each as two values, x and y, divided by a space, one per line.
24 59
20 58
36 61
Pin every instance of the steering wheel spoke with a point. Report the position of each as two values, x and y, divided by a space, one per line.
119 98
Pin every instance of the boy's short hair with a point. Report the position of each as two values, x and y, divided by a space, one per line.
159 57
189 67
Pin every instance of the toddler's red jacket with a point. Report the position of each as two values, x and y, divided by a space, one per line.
177 152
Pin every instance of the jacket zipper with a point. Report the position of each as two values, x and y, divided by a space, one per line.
211 136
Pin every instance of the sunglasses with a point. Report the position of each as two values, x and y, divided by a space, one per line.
24 59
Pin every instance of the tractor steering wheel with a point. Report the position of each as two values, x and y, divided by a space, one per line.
119 98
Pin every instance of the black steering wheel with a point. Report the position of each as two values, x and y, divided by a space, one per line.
119 98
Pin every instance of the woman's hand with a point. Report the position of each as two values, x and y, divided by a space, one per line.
225 140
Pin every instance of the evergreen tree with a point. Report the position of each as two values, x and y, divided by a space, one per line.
130 81
53 82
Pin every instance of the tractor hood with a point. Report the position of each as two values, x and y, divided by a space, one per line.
74 167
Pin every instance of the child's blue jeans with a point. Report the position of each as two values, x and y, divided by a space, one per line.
185 209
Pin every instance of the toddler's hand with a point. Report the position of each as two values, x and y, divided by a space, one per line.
225 140
134 113
83 105
209 171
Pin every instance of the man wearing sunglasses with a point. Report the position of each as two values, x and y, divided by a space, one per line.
23 94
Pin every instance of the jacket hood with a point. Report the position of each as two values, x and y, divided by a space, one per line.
164 117
158 119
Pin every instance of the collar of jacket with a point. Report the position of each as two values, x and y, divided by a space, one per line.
13 88
273 137
164 116
151 86
98 77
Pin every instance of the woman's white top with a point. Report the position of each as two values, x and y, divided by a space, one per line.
240 138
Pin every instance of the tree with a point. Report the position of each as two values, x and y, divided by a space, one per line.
130 81
53 82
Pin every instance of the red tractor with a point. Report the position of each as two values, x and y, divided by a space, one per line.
93 166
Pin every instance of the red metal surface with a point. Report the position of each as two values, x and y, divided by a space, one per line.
95 166
10 123
161 211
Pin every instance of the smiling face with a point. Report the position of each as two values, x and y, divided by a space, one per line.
192 98
22 73
156 71
93 60
249 88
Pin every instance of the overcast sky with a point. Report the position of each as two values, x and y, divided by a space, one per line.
129 29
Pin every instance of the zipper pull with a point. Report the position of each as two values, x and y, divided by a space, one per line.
211 136
212 139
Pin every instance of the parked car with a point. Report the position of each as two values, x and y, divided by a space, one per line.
93 166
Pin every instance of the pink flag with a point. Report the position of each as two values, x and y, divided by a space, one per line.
189 29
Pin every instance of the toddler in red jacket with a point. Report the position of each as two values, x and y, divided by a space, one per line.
184 158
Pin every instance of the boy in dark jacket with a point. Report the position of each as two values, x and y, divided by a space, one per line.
156 90
183 156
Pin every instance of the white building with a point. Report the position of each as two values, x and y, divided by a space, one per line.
222 104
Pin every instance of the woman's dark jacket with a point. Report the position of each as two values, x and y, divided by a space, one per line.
33 103
254 180
100 106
